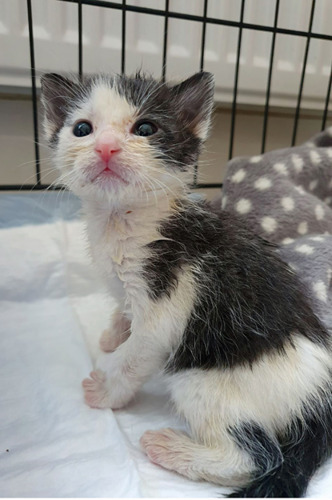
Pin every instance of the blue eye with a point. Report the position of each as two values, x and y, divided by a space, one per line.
82 128
144 129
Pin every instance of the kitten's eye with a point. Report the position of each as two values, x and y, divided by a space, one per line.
82 128
145 129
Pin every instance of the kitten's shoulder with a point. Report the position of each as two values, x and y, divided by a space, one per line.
203 226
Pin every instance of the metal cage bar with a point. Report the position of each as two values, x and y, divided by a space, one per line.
163 77
236 82
34 93
269 79
123 41
204 20
201 68
203 34
327 100
208 20
304 66
80 44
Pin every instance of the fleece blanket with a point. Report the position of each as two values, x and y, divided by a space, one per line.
53 308
286 197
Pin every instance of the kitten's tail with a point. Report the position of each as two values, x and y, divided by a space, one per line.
306 446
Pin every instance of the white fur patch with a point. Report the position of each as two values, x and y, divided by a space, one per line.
267 393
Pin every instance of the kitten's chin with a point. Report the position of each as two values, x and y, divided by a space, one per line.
100 182
106 187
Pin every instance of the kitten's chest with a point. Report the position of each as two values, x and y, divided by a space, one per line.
119 250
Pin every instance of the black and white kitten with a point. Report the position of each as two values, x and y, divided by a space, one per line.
200 296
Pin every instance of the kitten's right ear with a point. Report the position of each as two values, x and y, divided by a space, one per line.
57 94
194 101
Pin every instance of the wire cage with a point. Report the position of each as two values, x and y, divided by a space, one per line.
204 20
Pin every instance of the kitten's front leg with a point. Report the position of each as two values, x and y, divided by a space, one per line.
116 334
120 374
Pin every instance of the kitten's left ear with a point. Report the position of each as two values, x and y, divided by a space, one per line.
57 95
194 101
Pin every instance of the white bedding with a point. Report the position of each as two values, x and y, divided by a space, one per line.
52 311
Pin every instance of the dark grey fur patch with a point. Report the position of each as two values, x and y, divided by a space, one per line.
303 447
175 110
263 448
248 301
60 96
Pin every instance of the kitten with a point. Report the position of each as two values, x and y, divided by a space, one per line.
200 296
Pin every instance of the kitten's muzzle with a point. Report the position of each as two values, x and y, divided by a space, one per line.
106 146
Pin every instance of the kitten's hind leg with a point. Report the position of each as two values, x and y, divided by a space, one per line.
116 334
176 451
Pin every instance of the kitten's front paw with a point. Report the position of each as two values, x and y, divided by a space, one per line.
102 393
95 390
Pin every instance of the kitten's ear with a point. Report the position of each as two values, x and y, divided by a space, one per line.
57 94
194 99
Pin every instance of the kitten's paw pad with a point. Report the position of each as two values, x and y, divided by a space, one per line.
95 390
162 447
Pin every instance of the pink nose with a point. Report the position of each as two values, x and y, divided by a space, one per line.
106 146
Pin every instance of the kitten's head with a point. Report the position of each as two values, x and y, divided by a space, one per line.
115 136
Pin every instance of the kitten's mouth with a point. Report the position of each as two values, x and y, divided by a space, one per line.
108 172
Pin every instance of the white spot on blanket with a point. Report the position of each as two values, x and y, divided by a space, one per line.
287 241
320 290
224 201
329 152
239 176
317 238
313 185
269 224
298 163
329 275
315 157
243 206
302 227
255 159
287 203
280 168
299 189
319 212
306 249
263 183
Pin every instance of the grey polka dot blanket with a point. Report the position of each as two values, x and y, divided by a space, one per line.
286 197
